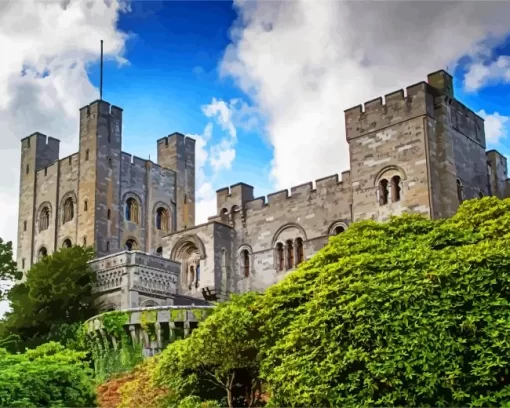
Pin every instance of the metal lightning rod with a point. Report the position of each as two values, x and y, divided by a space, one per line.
101 75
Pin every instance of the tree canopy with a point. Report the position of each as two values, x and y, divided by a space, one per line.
404 313
53 300
8 269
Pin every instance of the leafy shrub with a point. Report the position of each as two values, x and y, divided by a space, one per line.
48 376
406 313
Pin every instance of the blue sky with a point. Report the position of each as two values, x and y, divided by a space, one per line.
175 51
174 54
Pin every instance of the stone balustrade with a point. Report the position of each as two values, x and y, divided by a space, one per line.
153 327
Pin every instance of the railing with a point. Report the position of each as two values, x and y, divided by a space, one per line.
153 327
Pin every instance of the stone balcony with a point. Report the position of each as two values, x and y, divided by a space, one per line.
152 327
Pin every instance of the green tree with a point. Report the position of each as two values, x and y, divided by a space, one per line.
48 376
222 351
8 270
411 312
53 300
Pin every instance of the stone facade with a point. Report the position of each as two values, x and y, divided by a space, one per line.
419 151
101 196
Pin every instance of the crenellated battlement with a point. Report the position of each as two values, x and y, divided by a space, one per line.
323 186
398 106
401 105
100 107
49 170
175 137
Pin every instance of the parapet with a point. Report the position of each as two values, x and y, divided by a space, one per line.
102 108
396 107
303 191
175 138
401 105
235 195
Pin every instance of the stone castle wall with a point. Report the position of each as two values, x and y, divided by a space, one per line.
99 178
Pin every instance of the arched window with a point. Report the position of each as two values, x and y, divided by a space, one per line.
44 219
279 257
338 230
109 214
132 210
290 254
87 154
131 245
159 251
68 210
43 252
395 189
383 192
460 191
246 262
67 243
110 162
162 219
300 255
85 205
107 245
28 168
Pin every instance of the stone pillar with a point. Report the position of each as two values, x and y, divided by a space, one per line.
132 331
157 327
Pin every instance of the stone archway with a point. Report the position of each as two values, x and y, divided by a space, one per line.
188 254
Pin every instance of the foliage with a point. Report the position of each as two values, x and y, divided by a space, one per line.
405 313
54 299
110 362
410 312
49 375
221 351
8 269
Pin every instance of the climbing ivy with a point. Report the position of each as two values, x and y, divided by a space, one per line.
147 320
114 323
177 315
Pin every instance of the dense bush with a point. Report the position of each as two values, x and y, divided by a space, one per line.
409 312
48 376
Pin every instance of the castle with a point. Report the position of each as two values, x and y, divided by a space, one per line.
421 151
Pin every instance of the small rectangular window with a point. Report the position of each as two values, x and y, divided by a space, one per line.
24 225
23 263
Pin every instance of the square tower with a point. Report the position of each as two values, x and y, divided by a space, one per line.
98 186
420 151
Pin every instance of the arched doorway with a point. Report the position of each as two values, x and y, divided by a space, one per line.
188 254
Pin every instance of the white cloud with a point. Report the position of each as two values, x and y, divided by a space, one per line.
481 74
495 126
304 62
212 157
46 46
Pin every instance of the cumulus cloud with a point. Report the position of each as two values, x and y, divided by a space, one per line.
304 62
480 74
215 156
495 126
46 47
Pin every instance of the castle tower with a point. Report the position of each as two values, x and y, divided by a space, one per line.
422 151
98 186
177 152
37 153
